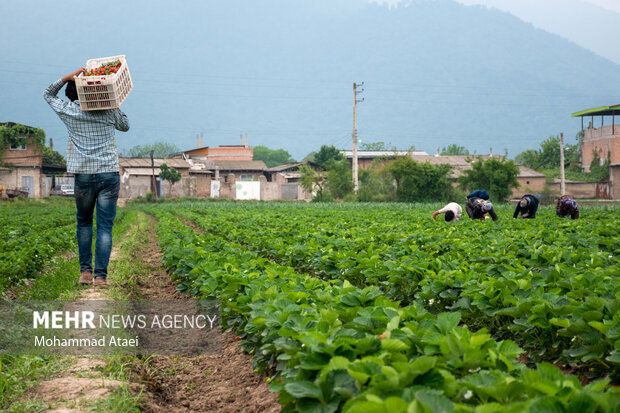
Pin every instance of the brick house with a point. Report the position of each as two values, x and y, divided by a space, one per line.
22 166
604 141
529 180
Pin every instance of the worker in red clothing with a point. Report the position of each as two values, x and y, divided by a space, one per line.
567 206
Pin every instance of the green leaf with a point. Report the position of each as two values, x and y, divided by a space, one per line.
393 345
395 405
434 400
614 357
393 324
351 299
448 321
423 364
581 403
547 404
301 389
510 348
314 361
307 405
338 363
560 322
367 407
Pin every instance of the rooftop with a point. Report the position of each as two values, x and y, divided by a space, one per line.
146 163
377 154
235 165
601 111
292 165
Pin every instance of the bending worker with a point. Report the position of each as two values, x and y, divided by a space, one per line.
477 206
527 207
567 206
452 212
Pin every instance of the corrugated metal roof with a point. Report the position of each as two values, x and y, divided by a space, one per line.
237 165
146 163
291 165
525 172
141 171
378 154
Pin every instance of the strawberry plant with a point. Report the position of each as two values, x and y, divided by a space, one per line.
553 291
331 346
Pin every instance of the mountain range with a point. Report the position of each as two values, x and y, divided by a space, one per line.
435 72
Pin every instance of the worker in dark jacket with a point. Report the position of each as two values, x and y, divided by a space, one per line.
527 207
477 208
567 206
479 194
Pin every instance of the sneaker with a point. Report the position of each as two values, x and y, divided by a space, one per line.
101 282
86 277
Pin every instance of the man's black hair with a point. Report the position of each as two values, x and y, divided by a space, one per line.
71 91
449 216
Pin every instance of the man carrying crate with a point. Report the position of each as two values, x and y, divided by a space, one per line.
92 156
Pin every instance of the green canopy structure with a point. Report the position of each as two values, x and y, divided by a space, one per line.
602 111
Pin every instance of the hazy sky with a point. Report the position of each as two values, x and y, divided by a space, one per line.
282 71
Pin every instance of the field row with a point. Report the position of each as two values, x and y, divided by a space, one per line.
333 346
551 286
32 233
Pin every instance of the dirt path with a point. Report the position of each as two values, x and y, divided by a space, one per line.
82 384
214 383
219 383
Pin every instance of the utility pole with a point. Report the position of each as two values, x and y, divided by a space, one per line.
355 102
562 178
153 185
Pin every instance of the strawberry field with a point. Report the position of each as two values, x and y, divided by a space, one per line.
372 308
32 233
378 308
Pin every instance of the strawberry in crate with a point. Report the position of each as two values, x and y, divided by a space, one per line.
105 69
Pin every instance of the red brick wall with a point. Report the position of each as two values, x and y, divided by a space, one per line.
231 153
29 156
603 142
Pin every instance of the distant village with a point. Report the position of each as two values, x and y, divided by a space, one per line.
232 172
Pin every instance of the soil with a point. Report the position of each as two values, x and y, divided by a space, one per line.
210 383
583 373
213 383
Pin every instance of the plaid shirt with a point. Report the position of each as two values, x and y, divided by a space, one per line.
91 147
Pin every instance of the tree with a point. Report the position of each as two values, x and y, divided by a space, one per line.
376 184
272 157
548 156
327 153
169 174
529 158
420 182
600 170
51 157
312 182
374 146
335 183
495 175
455 149
160 150
339 178
310 157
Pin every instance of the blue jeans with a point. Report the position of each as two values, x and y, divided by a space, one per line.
100 190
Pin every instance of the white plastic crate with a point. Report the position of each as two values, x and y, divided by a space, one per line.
107 91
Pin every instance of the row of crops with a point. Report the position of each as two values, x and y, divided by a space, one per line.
550 285
32 233
378 308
